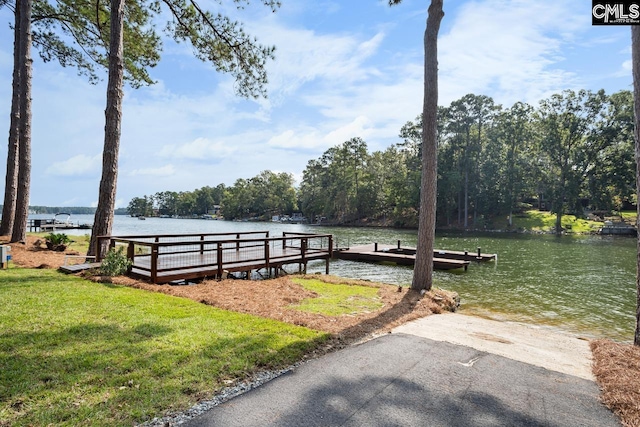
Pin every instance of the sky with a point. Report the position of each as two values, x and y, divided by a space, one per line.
342 69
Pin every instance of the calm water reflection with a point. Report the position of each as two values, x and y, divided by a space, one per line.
582 284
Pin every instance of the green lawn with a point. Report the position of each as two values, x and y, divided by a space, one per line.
534 220
336 299
74 352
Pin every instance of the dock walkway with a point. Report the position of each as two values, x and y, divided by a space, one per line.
168 258
442 259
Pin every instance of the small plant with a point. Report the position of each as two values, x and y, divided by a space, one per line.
115 263
57 241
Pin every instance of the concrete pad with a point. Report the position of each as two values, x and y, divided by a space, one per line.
537 346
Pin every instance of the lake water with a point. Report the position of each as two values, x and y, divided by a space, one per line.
580 284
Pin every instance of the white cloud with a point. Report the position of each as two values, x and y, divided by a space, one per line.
166 170
360 127
80 165
509 48
198 149
305 56
301 138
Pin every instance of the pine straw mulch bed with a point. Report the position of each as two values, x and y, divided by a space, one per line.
616 366
617 370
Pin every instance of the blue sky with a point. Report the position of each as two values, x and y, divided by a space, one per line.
343 69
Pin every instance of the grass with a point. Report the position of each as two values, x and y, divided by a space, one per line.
535 220
74 352
338 299
629 217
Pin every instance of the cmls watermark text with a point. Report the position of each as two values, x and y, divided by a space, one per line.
615 12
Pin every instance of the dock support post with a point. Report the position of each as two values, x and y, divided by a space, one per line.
466 255
479 255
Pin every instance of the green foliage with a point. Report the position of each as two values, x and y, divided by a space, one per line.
115 263
58 238
223 43
88 25
75 352
140 206
262 196
534 220
336 300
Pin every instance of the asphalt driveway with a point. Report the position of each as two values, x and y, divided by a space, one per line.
407 380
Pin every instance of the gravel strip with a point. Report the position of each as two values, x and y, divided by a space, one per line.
178 418
228 393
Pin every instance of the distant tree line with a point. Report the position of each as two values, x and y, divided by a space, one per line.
574 152
73 210
260 197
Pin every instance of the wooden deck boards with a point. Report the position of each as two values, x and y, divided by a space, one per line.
442 260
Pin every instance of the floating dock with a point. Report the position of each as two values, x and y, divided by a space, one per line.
442 259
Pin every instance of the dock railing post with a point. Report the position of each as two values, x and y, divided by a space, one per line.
303 252
237 242
398 244
375 247
154 262
326 267
266 255
201 244
219 260
479 255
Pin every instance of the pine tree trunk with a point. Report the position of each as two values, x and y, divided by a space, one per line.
423 270
19 233
103 220
635 56
11 179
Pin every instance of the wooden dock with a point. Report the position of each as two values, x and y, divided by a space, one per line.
442 259
169 258
50 225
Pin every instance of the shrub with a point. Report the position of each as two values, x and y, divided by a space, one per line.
57 241
115 263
